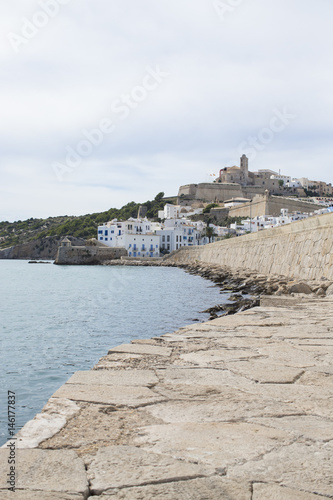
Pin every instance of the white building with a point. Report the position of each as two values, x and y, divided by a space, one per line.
279 177
136 235
267 222
179 233
169 212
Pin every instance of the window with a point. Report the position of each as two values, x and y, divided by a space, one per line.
177 246
176 238
168 238
180 238
100 232
163 238
168 247
106 232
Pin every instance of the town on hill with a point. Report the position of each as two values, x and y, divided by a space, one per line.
236 202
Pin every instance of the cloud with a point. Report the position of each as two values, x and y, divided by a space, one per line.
226 78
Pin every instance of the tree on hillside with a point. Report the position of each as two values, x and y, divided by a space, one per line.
210 233
207 209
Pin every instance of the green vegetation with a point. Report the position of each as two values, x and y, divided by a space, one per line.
83 226
210 233
207 209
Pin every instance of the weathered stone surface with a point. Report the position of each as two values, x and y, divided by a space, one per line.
242 400
302 466
37 495
208 357
306 426
299 288
121 396
275 492
213 488
142 349
216 444
266 372
54 417
229 404
114 377
309 399
99 426
59 471
109 469
198 376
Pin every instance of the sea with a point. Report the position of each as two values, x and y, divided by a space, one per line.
55 320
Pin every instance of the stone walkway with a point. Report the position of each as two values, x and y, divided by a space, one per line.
239 408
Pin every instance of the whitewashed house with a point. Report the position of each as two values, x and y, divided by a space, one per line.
136 235
169 212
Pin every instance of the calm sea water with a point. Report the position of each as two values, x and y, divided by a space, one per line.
55 320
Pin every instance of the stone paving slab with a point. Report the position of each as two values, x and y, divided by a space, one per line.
142 349
44 425
229 404
276 492
301 466
37 495
109 469
265 372
306 426
99 426
121 396
56 471
242 400
201 376
114 377
313 400
209 357
217 444
194 489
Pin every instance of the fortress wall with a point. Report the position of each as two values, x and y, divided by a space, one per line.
302 250
209 192
272 206
87 255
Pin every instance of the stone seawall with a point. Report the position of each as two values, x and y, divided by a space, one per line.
87 255
302 250
239 408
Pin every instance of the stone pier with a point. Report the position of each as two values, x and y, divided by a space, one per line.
239 408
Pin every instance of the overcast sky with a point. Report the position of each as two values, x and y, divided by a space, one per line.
108 101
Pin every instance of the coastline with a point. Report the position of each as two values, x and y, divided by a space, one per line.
237 405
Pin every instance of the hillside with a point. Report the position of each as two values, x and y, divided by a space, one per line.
39 238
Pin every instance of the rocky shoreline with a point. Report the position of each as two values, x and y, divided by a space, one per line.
245 287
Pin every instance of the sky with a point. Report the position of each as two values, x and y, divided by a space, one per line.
103 102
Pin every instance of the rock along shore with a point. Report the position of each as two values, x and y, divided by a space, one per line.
238 408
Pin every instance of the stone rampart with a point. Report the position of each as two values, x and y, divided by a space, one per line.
87 255
262 205
301 250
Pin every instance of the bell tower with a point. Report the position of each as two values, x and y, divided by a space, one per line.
244 166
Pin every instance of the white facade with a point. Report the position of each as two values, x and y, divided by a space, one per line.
142 238
169 212
279 177
267 222
134 234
